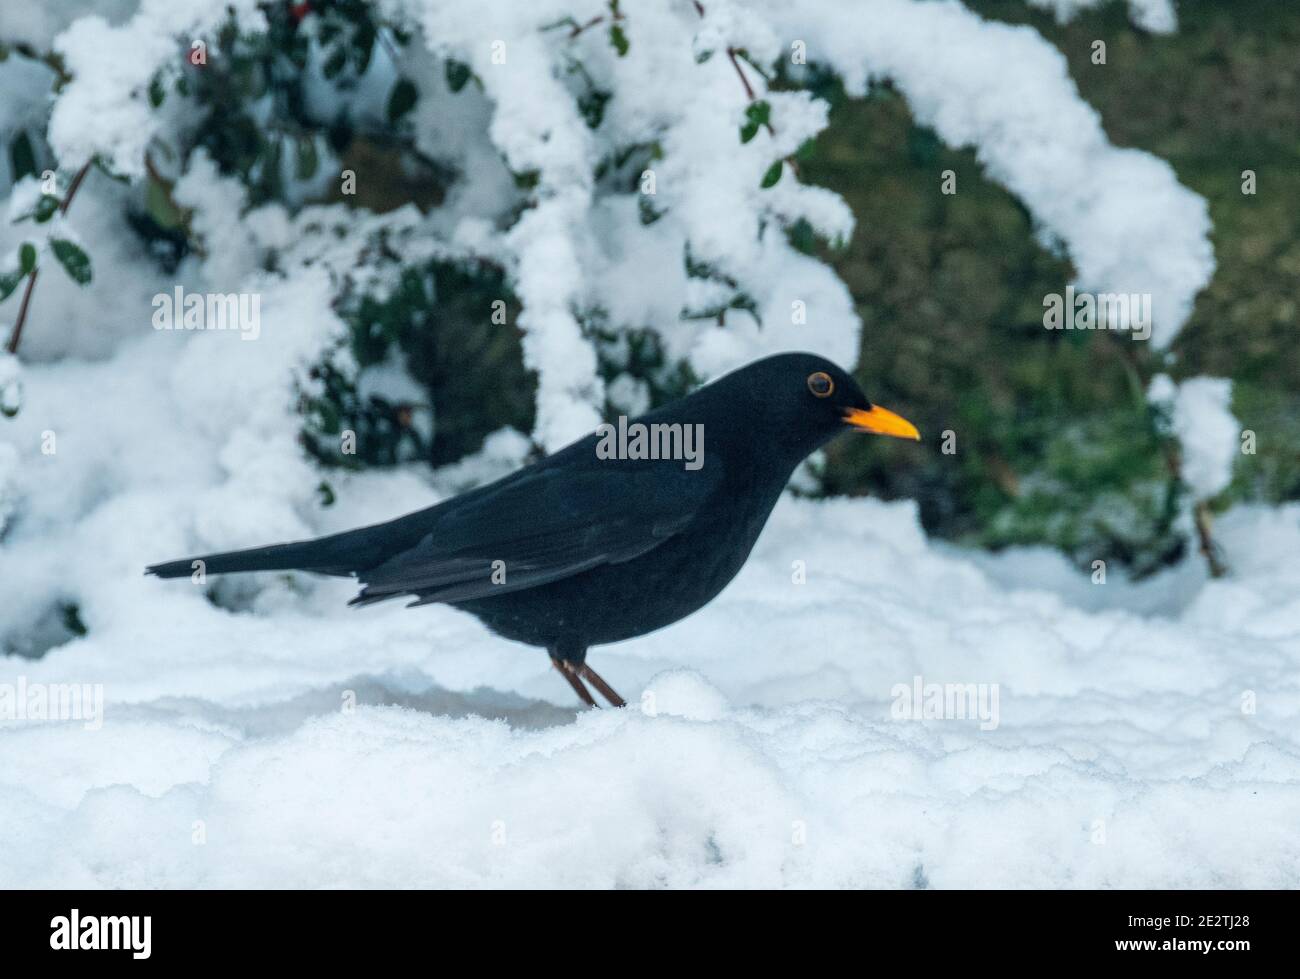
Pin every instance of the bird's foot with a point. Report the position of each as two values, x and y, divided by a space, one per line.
570 673
576 672
605 689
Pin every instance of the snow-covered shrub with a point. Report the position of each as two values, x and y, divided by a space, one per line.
526 216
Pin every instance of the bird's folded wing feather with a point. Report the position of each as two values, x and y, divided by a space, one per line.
547 525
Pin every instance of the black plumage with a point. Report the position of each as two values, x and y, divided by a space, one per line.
579 549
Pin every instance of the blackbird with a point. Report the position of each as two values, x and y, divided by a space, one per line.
617 535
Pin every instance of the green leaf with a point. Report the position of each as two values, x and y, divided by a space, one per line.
756 114
335 62
619 39
924 145
21 156
26 257
802 237
306 159
74 261
592 106
45 208
9 282
156 92
340 133
402 99
646 210
363 46
72 620
773 175
159 206
458 74
704 56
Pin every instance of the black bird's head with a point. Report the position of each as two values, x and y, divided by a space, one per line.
797 402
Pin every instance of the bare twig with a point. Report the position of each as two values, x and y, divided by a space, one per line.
1209 549
17 335
749 89
74 187
731 53
734 55
1138 381
579 28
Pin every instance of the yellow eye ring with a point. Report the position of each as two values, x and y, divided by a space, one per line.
821 385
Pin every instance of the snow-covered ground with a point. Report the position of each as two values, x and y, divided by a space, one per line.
763 747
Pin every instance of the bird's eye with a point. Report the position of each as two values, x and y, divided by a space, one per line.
821 385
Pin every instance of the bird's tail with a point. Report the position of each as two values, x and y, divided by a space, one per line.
326 555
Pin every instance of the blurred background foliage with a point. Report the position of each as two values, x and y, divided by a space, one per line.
1055 442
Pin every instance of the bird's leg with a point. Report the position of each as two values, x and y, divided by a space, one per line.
605 689
569 673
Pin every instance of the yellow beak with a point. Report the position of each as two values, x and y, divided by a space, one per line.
881 422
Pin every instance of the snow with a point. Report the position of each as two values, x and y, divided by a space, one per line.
1202 421
65 320
105 109
759 750
38 24
1127 223
1122 216
1156 16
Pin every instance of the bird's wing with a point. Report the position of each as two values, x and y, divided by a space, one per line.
546 525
